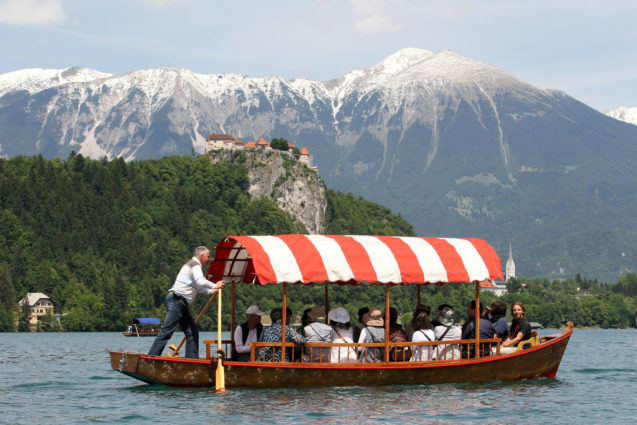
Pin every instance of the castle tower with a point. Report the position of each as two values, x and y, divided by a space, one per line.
305 156
509 271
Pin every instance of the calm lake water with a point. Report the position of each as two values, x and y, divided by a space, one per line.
65 378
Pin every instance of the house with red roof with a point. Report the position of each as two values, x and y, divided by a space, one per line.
217 141
498 287
262 144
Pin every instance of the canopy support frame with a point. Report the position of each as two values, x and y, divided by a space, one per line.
386 351
477 350
284 322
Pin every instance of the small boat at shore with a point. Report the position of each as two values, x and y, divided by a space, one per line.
354 260
143 326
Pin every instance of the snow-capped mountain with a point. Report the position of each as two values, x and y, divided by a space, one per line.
37 79
100 114
457 146
625 114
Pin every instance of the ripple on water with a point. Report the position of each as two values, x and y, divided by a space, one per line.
66 379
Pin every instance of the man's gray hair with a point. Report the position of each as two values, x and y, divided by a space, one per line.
200 250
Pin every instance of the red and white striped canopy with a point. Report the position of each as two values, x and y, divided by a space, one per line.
353 259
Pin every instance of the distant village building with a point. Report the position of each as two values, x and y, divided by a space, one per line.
262 144
510 266
39 304
498 287
305 156
219 141
222 141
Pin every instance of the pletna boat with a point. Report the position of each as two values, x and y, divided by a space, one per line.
356 260
143 326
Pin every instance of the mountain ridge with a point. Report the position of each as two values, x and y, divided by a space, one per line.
623 113
160 84
457 146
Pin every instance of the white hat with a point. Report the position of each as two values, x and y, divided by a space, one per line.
339 314
253 309
445 316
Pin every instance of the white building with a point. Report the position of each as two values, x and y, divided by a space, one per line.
509 271
498 287
39 304
218 141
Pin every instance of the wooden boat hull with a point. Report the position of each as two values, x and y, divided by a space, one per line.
541 360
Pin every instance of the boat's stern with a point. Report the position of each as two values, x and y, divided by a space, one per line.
126 362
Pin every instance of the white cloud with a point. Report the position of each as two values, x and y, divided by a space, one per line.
372 17
31 11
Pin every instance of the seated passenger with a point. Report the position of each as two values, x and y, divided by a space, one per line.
434 317
469 332
305 320
520 329
358 328
341 333
274 334
423 331
396 332
496 314
373 332
447 330
249 331
409 327
317 331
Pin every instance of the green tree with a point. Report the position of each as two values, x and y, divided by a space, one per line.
48 323
280 144
7 300
24 317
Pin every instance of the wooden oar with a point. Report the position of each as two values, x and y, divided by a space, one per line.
203 310
220 379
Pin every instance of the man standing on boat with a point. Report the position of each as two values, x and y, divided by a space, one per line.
189 282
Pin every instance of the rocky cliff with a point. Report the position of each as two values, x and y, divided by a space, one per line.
296 188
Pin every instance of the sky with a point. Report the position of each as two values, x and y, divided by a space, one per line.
586 48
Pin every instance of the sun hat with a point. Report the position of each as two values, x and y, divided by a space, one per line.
317 312
373 318
445 316
253 309
339 314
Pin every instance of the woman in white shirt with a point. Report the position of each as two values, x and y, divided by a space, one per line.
342 333
423 331
447 330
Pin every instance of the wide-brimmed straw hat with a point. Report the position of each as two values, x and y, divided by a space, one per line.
373 318
317 312
253 309
339 314
445 316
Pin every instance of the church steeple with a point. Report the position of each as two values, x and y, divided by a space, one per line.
510 266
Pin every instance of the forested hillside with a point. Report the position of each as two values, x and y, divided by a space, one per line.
104 239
